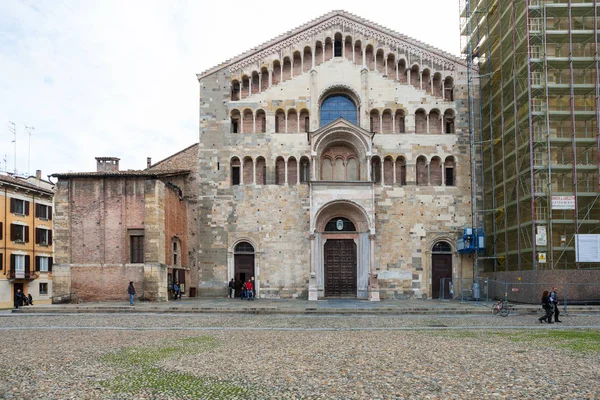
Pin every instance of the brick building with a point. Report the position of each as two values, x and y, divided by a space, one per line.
116 226
334 162
26 244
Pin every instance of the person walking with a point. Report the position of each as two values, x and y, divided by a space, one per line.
131 291
231 289
30 299
554 302
19 298
547 307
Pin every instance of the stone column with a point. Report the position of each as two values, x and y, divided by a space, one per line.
313 291
364 93
373 289
285 180
270 77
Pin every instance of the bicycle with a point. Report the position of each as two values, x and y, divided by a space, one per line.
501 307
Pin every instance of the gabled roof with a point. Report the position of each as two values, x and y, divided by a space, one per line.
116 174
372 29
10 181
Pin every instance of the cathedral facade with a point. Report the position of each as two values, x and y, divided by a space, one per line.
334 163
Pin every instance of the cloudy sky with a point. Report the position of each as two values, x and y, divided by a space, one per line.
118 78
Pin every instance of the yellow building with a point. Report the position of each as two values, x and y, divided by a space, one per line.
25 240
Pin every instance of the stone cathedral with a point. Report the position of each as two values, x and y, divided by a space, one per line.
334 163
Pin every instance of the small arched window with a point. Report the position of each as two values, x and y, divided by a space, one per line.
401 171
244 248
337 45
441 247
449 165
340 224
422 176
337 106
304 170
435 171
261 171
235 90
376 169
235 171
279 171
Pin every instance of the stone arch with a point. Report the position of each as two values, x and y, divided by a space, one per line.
255 82
245 86
437 84
369 58
422 178
264 79
236 121
276 78
402 77
235 90
261 121
388 170
247 121
292 171
391 65
248 168
279 121
339 90
261 171
449 88
400 121
415 78
435 121
307 59
297 63
286 71
380 61
420 121
292 121
348 48
318 53
387 121
358 52
435 171
449 118
374 121
338 45
342 208
401 170
328 49
427 80
279 171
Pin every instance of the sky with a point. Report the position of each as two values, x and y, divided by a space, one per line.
108 78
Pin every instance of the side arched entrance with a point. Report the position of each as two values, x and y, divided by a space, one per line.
441 270
243 264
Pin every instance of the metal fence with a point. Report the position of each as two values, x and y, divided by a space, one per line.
486 291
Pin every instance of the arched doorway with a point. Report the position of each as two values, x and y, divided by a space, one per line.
340 258
441 270
243 264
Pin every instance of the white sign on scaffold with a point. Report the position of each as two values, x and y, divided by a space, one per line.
587 248
563 202
540 237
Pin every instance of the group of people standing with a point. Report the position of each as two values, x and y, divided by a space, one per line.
246 289
22 300
550 306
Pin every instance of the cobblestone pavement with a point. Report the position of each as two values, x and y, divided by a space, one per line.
165 356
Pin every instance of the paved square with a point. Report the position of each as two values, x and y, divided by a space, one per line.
220 356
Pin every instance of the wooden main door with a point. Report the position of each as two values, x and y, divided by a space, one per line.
441 268
340 268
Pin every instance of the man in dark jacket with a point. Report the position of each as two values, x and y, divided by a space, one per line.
19 298
554 302
131 291
231 289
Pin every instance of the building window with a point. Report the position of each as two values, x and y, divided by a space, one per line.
449 170
235 171
43 264
43 288
19 233
18 206
43 211
18 264
176 252
1 261
137 249
43 236
304 170
338 106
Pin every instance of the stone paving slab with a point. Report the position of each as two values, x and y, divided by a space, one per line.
276 306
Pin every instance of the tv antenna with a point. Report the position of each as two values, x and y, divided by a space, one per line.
13 129
29 129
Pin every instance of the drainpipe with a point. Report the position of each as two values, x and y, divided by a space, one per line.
5 220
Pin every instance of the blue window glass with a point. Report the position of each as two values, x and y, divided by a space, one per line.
338 106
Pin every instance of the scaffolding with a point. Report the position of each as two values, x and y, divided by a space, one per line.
537 77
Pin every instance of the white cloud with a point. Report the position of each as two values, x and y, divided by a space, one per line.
117 78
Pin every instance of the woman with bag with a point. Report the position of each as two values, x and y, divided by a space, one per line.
547 307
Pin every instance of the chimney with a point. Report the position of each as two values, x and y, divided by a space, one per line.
148 162
107 164
38 174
